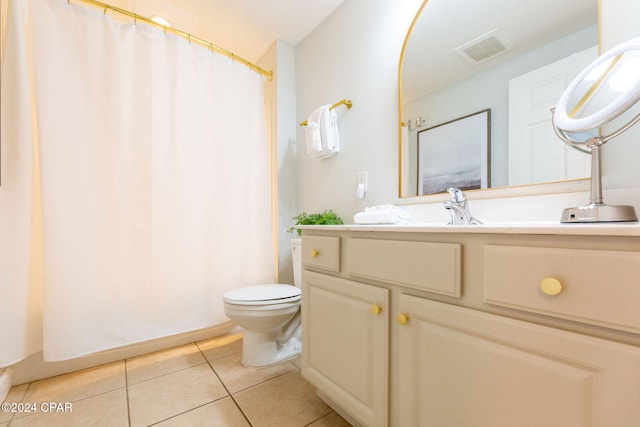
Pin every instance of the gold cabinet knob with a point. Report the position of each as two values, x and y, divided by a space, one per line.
402 319
314 253
375 309
551 286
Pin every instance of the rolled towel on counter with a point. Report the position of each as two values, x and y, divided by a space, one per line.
382 214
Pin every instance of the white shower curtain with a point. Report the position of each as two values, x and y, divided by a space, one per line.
135 184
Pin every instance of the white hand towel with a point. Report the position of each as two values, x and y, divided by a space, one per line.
334 130
321 133
329 132
313 136
382 214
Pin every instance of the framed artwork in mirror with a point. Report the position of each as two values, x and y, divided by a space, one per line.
455 154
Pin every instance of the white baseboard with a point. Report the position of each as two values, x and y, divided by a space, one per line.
34 367
6 382
326 399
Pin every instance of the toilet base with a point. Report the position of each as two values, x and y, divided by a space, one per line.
263 349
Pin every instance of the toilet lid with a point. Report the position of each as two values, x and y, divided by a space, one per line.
263 294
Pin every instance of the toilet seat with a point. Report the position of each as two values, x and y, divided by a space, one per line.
263 295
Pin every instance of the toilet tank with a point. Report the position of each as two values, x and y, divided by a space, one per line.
296 258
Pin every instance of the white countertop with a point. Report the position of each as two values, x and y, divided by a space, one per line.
533 214
554 228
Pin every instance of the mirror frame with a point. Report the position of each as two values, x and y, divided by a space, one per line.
556 187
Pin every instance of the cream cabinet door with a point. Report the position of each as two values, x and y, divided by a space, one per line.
465 368
345 344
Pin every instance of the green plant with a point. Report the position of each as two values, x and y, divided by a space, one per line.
328 217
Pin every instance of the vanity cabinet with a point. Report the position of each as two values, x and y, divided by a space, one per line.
457 329
463 367
346 340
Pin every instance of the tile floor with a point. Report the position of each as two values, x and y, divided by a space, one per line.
199 384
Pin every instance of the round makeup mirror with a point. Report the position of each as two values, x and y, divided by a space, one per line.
603 91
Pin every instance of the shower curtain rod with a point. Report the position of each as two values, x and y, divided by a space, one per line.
212 47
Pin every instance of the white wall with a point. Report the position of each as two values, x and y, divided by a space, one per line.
353 54
619 22
280 107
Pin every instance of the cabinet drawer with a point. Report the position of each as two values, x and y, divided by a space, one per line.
321 252
593 286
433 267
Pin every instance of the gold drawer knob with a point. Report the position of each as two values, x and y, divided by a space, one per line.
314 253
402 319
551 286
375 309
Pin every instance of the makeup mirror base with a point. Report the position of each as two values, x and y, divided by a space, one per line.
595 212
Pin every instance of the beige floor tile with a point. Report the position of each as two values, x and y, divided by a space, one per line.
221 413
15 395
172 394
107 409
77 385
177 387
237 377
223 346
286 401
164 362
331 420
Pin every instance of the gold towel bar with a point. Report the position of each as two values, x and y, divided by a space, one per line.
346 102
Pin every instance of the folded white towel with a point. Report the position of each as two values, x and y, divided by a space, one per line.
321 134
336 133
313 136
329 132
382 214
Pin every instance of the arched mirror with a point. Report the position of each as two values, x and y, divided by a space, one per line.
509 59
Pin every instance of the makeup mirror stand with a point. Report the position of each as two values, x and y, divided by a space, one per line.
596 210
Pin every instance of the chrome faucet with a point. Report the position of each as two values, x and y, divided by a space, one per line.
459 208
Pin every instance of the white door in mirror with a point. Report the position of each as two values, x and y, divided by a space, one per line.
533 153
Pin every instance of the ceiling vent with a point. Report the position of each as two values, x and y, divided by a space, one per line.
485 47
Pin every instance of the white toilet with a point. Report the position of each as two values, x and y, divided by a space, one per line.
270 317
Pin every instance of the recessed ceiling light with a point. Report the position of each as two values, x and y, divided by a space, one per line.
161 20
